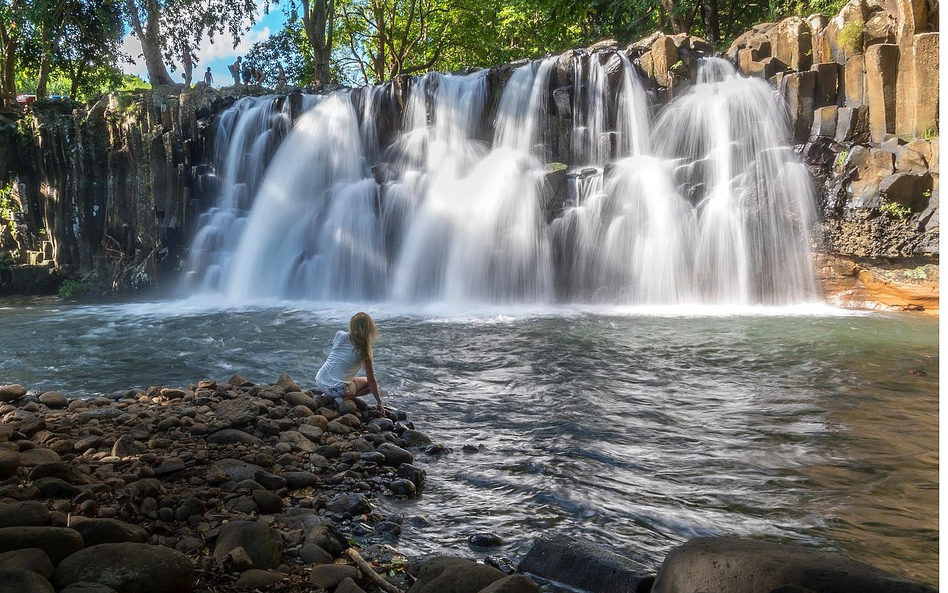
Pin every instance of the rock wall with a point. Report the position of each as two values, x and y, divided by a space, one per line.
116 187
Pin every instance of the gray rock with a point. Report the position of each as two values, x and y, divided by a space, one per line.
515 583
395 455
298 398
57 542
384 424
56 489
60 470
103 413
87 587
53 400
414 438
329 576
327 537
352 504
108 531
580 564
269 481
313 554
313 433
298 441
189 507
349 586
268 502
402 487
126 446
128 568
262 545
237 470
287 383
38 456
146 488
32 559
258 579
236 412
415 474
740 565
447 574
297 480
232 436
9 393
23 514
9 463
485 540
14 580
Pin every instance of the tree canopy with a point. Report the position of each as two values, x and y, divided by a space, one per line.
74 46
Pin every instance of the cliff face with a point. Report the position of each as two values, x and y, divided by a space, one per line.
116 187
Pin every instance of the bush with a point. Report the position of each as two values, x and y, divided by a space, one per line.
896 210
850 37
74 288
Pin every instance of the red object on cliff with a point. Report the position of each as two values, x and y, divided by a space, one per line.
25 99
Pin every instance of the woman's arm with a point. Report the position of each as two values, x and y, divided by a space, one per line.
373 384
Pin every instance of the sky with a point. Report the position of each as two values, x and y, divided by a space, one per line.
217 55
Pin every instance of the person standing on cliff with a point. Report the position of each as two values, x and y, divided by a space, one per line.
208 77
351 351
235 71
281 76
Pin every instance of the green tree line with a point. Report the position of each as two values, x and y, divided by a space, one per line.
75 45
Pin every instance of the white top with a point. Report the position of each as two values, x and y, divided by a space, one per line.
342 364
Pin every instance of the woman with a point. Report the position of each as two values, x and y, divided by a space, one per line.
350 351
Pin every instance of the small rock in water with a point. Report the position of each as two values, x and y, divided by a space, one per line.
485 540
501 563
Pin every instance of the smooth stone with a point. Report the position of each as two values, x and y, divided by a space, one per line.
258 579
53 400
108 531
313 554
9 463
237 411
13 580
232 436
581 564
23 514
128 568
32 559
349 586
38 456
57 489
60 470
444 574
329 576
297 480
394 455
9 393
298 398
485 540
327 537
414 438
236 470
515 583
402 487
262 546
57 542
352 503
87 587
268 502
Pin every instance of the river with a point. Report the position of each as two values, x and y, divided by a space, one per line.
637 428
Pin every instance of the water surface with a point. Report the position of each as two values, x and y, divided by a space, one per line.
635 428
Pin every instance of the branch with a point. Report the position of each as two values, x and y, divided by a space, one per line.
370 573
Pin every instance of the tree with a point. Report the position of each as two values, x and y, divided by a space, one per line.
166 27
319 23
290 48
91 45
12 22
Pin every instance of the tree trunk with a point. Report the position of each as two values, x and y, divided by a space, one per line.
8 41
674 18
709 10
43 76
151 41
318 23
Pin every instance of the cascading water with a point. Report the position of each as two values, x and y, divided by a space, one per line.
710 206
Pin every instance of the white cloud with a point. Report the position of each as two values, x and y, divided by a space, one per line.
133 47
223 47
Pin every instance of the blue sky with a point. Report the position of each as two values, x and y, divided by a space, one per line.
217 55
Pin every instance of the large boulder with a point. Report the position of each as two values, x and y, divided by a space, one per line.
32 559
584 565
23 514
515 583
15 580
53 400
738 565
9 393
108 531
128 568
261 544
448 574
57 542
9 463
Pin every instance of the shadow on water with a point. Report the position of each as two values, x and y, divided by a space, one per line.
635 431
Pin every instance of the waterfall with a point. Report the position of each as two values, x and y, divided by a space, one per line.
452 196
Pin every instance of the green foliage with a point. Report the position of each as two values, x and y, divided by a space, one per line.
74 288
9 207
930 134
850 36
896 210
291 49
841 159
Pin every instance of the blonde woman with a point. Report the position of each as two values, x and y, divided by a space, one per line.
350 351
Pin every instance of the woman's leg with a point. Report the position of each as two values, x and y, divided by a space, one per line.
362 388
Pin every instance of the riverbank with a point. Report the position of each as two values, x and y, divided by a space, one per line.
217 486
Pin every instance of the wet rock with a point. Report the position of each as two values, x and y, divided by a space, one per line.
17 580
402 487
329 576
9 463
414 438
458 575
516 583
415 474
485 540
327 537
9 393
395 455
262 545
352 503
384 424
32 559
108 531
23 514
748 566
501 563
57 542
581 564
258 579
128 568
53 400
238 381
313 554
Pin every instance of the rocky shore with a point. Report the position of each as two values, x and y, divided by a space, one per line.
216 487
236 486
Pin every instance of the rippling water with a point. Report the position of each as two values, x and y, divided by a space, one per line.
635 428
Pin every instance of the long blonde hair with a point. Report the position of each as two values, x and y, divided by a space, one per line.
362 332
